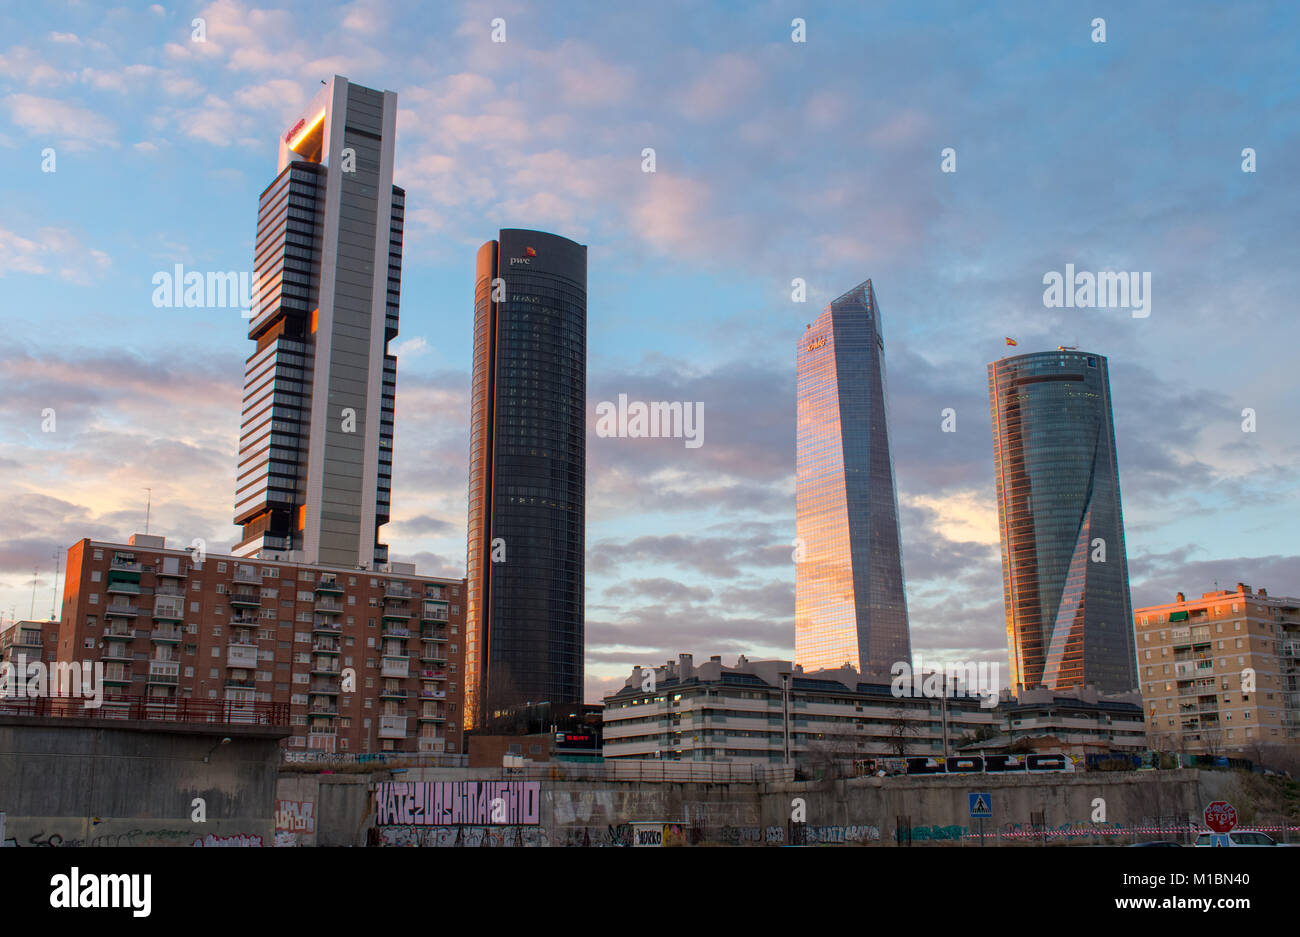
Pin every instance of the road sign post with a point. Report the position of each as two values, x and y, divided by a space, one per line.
980 805
1221 817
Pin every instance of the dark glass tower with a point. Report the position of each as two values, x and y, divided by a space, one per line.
527 475
850 605
1064 569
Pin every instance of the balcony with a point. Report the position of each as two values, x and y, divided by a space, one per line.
328 606
433 675
432 746
249 574
323 689
1289 648
397 590
326 627
167 673
246 599
396 613
117 675
434 611
437 634
432 656
395 694
396 631
243 621
329 587
433 694
173 566
125 566
325 647
242 655
124 611
394 669
123 588
115 650
167 609
165 635
436 718
392 727
234 683
170 590
325 666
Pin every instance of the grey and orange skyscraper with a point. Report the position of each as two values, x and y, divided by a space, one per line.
316 440
850 604
527 476
1065 583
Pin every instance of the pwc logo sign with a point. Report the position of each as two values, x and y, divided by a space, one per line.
293 131
529 254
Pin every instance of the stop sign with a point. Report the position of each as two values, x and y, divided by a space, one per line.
1221 816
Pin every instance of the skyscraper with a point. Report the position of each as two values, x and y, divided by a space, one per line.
527 475
1064 569
850 605
316 440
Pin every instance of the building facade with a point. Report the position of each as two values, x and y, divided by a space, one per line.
316 438
776 713
367 660
850 603
1221 673
761 712
1064 566
33 640
527 475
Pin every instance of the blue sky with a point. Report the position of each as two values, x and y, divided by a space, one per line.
774 160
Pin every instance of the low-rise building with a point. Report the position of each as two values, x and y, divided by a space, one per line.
1219 674
772 712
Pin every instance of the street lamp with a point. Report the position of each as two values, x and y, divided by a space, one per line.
208 756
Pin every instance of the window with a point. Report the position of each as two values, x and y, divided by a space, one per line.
90 642
95 575
221 568
93 598
99 554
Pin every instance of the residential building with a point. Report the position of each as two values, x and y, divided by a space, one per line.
527 475
1064 565
34 640
850 602
316 439
774 712
367 660
1221 673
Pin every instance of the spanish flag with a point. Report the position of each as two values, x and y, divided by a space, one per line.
1010 341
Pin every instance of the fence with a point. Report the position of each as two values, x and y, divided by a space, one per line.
203 712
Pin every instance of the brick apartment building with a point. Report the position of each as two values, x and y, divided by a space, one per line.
368 660
1193 656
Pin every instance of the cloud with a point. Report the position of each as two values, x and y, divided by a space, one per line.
58 120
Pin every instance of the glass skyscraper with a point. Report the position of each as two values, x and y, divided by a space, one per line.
1064 569
316 440
850 605
527 475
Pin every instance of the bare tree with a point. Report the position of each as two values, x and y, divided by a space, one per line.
899 728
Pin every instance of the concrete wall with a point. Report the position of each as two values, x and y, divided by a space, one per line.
75 782
1063 808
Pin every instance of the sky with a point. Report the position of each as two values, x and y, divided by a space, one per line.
775 160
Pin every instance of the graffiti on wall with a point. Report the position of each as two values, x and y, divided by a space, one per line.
452 803
235 839
463 836
296 816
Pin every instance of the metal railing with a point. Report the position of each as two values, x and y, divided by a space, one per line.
153 709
